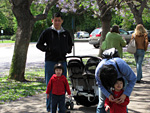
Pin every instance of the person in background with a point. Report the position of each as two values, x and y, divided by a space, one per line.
78 34
106 75
141 38
56 42
115 40
117 92
58 84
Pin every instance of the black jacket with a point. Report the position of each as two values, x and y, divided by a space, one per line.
56 45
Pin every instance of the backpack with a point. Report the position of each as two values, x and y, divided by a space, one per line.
110 53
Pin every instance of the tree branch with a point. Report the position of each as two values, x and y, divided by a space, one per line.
16 2
108 6
45 12
113 2
143 5
101 4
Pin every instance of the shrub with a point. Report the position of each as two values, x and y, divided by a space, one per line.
6 37
13 38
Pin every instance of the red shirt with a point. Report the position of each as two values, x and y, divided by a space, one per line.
58 85
117 108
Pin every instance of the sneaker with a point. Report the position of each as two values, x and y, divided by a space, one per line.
138 81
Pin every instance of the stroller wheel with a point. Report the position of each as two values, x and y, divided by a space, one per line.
67 105
71 105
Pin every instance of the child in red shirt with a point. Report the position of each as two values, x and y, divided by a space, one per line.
115 107
58 84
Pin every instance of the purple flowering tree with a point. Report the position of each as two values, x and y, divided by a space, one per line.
25 21
101 9
137 8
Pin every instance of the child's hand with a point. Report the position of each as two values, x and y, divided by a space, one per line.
69 96
121 99
47 96
107 107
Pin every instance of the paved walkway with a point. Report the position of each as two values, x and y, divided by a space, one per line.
139 100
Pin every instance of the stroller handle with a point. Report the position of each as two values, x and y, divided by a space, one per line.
86 56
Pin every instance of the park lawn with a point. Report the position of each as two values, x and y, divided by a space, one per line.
11 90
7 41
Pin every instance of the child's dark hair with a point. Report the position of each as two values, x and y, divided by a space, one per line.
59 66
57 15
108 76
121 79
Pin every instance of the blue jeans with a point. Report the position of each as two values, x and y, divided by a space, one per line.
139 56
49 71
58 101
100 106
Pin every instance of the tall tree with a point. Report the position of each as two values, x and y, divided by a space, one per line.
105 17
5 15
137 7
25 21
3 20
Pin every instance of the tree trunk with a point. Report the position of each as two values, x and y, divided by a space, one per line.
138 18
25 20
136 10
24 31
106 20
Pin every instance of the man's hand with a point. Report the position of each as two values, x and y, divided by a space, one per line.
121 99
111 98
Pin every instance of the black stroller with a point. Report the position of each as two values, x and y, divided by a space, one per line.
81 70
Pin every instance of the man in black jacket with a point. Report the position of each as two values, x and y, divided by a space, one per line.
56 43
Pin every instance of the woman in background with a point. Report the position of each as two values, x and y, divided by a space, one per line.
141 38
114 40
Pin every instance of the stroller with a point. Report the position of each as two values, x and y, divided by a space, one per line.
81 70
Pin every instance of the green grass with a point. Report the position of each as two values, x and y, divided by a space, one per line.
11 90
7 41
129 58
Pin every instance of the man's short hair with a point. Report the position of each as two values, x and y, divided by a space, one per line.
57 15
108 76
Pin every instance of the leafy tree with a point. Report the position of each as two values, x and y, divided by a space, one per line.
137 8
25 22
3 20
6 17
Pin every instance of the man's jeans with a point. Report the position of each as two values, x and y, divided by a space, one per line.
58 100
139 56
49 71
100 107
